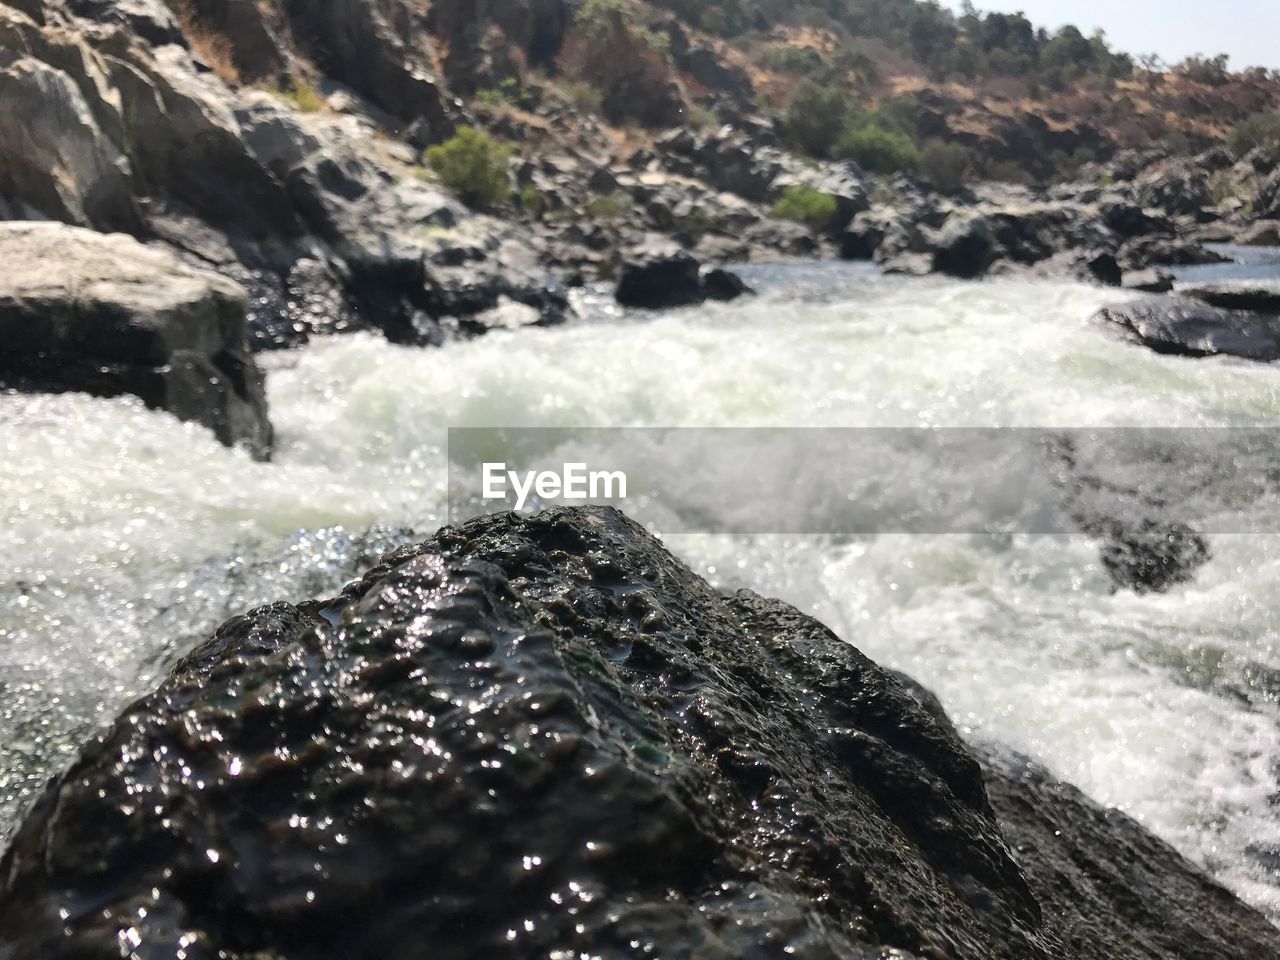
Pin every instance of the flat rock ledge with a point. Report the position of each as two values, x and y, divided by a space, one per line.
546 737
106 315
1188 327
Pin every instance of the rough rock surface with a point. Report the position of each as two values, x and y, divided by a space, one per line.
103 314
1090 867
545 736
1191 328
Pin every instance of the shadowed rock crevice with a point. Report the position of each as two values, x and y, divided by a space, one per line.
545 736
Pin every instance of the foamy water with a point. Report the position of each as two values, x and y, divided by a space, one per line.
125 536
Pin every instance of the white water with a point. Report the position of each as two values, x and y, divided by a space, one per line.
124 535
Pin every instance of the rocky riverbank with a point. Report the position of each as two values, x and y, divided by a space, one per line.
546 736
279 146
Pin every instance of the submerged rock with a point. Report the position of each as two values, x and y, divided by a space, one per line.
102 314
1190 328
545 736
721 284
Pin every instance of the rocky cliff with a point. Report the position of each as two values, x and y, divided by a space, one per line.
545 736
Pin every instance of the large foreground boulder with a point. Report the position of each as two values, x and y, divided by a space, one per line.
1192 328
546 737
103 314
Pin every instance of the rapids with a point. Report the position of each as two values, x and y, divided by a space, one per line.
125 535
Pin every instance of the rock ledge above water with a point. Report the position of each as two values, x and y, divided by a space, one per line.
104 314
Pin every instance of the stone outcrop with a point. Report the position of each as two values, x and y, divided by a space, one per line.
1192 328
102 314
661 276
543 734
1259 295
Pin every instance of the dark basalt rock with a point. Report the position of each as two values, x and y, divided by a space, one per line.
1189 328
721 284
1166 251
966 246
1092 870
1142 548
1104 268
1258 295
661 276
544 736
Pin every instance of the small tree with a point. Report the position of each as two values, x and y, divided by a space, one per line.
1262 129
804 204
946 165
814 118
878 149
472 165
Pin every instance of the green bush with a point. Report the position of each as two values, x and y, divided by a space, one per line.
607 206
803 204
509 93
1262 129
583 95
946 165
300 94
878 149
532 200
814 117
474 166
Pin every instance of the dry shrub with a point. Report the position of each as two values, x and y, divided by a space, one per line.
210 46
635 82
215 50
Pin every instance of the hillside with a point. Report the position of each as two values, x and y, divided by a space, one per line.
1025 105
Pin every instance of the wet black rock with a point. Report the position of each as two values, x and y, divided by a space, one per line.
1094 870
660 277
1149 556
965 246
721 284
1190 328
1104 268
545 736
1141 546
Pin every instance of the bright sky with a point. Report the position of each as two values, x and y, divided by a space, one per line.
1249 30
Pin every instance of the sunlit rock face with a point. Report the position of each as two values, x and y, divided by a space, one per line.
546 737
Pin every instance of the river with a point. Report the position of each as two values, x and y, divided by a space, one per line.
125 535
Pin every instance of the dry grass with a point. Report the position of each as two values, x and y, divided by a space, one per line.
211 47
215 50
